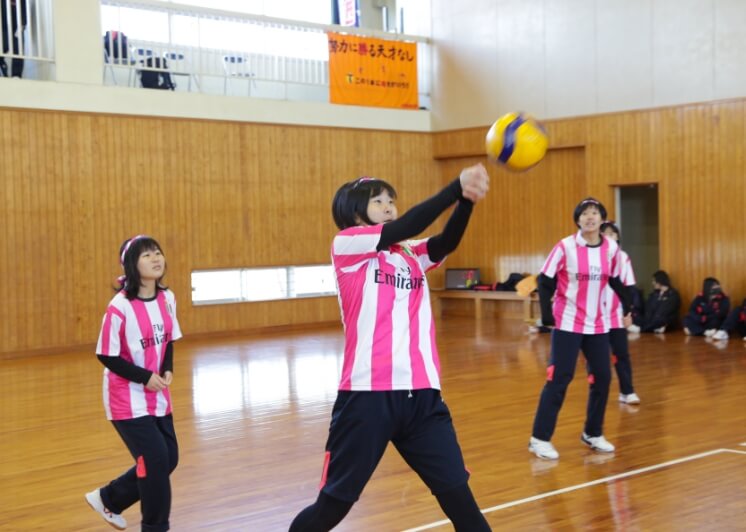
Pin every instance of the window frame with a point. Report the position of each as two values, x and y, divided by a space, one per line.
288 290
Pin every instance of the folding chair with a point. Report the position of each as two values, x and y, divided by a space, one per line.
125 62
179 65
237 66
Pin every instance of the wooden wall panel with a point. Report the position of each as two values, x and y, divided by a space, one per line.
222 195
470 142
522 217
215 194
694 153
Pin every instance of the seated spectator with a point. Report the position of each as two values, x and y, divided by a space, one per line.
661 309
708 310
13 26
736 321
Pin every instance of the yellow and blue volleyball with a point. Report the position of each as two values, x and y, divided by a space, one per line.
517 141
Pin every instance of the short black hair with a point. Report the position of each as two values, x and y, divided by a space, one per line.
584 204
661 277
611 225
350 203
708 283
130 282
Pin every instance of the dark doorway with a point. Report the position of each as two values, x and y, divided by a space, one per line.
637 211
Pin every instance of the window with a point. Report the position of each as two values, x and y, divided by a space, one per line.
139 24
216 286
318 11
313 281
213 287
207 32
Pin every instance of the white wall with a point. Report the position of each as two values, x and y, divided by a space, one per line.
417 17
78 47
552 58
559 58
79 87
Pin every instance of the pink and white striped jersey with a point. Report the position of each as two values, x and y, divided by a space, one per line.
627 276
582 274
385 303
137 331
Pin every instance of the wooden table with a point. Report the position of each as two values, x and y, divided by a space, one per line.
478 296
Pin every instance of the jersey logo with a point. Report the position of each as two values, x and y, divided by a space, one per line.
596 274
399 281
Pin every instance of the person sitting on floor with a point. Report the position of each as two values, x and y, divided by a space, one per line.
736 321
708 310
661 309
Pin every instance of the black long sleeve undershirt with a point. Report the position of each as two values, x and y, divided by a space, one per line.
548 285
440 245
623 292
168 359
419 218
131 372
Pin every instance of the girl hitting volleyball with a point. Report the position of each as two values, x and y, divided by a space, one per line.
573 299
618 331
390 385
136 347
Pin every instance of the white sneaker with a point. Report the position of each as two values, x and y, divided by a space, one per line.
540 466
687 331
542 449
720 344
630 399
633 328
710 332
720 335
660 330
598 458
93 499
597 443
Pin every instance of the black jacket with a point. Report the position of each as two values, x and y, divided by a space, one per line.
661 309
14 5
710 311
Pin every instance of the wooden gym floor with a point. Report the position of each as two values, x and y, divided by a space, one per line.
252 415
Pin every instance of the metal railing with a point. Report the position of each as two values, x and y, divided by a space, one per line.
224 52
25 35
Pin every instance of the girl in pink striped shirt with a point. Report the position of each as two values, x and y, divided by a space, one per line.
573 297
390 385
136 347
617 331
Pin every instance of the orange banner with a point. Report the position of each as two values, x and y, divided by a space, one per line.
372 72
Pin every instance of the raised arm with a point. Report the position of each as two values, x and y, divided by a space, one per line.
419 217
471 186
446 242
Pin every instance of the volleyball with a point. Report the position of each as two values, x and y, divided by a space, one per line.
517 141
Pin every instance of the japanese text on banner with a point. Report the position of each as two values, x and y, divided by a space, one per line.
372 72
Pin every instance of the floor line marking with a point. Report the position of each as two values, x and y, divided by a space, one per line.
736 451
582 486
